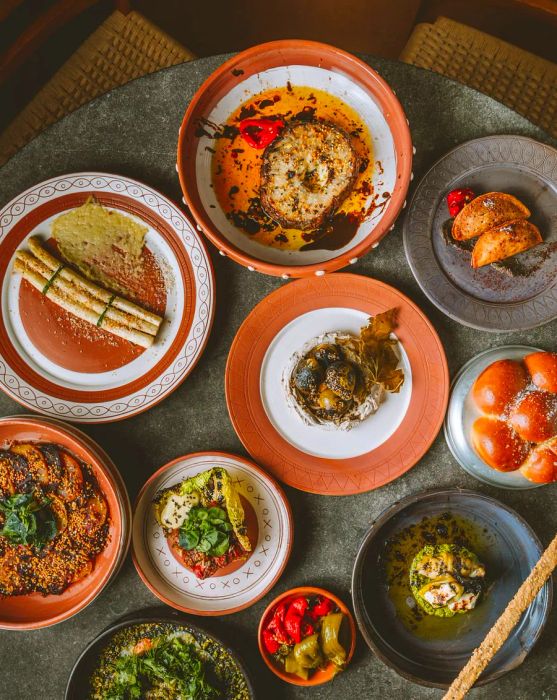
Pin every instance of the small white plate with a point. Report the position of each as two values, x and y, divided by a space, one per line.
316 440
462 413
217 595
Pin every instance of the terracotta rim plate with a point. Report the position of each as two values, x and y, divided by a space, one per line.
486 298
35 611
509 549
462 413
302 63
85 665
326 674
352 298
217 595
41 381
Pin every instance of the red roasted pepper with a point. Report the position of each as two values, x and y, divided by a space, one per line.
458 199
270 642
259 133
323 607
276 625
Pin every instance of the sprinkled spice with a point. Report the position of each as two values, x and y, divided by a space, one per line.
51 486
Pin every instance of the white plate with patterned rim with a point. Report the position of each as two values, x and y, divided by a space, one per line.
55 367
177 586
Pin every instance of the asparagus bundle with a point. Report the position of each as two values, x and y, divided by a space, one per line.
84 299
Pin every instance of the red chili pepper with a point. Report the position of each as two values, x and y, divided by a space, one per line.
458 199
276 625
259 133
293 625
299 605
323 607
270 642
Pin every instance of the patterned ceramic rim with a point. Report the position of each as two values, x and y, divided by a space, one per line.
409 442
181 594
452 301
32 428
31 389
284 53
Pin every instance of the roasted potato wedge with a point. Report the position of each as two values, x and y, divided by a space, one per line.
505 241
485 213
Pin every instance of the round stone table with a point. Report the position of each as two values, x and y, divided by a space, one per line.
133 131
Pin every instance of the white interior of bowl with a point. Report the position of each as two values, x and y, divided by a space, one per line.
317 440
334 83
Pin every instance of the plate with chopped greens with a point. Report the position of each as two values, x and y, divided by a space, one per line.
165 658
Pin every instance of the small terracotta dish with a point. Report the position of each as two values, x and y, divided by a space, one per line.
35 611
426 648
240 584
312 457
347 637
291 65
72 370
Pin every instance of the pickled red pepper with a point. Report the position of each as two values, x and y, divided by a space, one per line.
259 133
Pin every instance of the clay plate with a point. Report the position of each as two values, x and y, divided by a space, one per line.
487 298
303 63
56 369
240 585
35 611
347 636
510 549
78 683
462 412
253 391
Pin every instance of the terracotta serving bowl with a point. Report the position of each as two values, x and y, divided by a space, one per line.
321 675
35 611
303 63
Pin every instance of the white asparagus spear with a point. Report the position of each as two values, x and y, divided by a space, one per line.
82 297
67 273
57 296
497 635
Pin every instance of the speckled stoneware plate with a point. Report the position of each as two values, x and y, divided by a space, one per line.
314 458
273 66
55 367
508 548
35 611
487 298
233 680
241 584
462 412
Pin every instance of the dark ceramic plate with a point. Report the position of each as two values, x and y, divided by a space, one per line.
523 292
235 682
509 549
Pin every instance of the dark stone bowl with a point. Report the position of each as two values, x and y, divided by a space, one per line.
510 552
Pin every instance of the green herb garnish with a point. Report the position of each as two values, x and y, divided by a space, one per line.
206 530
27 521
170 669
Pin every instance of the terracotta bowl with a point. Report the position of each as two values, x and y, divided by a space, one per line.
321 675
35 611
310 64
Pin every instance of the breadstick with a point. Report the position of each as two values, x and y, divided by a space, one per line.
123 304
78 293
497 635
77 309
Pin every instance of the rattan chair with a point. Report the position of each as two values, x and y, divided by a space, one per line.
517 78
125 46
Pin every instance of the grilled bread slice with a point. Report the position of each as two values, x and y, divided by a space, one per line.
306 174
486 212
505 241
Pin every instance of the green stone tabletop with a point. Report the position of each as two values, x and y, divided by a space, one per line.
133 131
